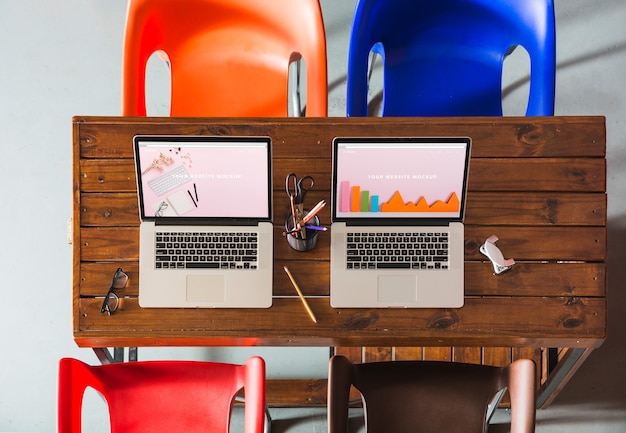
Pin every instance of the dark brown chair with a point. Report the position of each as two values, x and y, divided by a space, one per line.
429 396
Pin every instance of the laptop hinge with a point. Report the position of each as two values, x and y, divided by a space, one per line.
204 222
394 223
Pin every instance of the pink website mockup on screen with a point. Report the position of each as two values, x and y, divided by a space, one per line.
205 179
399 180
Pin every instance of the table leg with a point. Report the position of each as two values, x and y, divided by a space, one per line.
105 357
569 362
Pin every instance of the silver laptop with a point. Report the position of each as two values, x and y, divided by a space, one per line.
397 231
206 230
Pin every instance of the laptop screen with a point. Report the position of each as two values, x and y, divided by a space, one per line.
399 178
203 177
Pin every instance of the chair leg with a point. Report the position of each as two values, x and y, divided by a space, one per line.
491 408
296 98
267 427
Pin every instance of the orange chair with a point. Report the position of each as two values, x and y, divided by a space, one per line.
226 57
429 396
151 396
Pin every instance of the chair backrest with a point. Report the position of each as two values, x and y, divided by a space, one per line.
151 396
226 57
428 396
445 57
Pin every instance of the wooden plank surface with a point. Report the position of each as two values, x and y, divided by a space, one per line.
115 209
483 321
539 184
525 279
584 136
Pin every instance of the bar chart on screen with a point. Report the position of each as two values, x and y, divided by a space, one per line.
355 199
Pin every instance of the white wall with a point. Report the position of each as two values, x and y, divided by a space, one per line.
63 58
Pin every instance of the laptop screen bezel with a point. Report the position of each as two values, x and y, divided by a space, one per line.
400 221
189 220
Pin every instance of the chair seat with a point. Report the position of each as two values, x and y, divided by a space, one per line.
446 58
151 396
226 57
429 396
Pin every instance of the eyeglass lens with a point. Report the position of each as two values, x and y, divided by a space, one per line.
111 300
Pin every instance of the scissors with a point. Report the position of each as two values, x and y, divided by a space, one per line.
296 191
297 188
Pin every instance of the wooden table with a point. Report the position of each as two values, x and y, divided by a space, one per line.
539 184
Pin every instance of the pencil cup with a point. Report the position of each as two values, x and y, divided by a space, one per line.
295 240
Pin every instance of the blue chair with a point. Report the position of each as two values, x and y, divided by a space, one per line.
445 57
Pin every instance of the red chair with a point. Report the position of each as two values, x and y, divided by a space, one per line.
162 396
226 57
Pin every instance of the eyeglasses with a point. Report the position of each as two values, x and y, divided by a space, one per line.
161 210
111 300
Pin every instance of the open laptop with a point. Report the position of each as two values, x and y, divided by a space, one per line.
397 237
206 233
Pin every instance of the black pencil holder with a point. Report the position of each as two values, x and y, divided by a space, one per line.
296 240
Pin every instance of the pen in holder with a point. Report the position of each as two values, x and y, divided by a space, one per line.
304 239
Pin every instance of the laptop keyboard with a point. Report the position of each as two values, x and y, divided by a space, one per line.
206 250
170 180
397 250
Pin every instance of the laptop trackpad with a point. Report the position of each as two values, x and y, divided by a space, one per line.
205 288
397 288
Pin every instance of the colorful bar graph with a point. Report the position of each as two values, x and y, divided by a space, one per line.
353 199
374 203
355 205
365 201
344 197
